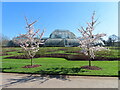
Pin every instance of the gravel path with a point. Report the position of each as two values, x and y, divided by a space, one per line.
12 80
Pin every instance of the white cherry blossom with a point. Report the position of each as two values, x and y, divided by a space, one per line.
88 38
28 42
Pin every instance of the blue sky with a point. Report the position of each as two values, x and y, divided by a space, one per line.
58 15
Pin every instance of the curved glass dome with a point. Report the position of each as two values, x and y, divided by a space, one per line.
62 34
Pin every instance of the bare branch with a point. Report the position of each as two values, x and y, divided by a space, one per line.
26 20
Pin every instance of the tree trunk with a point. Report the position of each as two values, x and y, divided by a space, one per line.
90 62
31 60
89 57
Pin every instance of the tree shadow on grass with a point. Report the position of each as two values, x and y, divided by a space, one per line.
61 70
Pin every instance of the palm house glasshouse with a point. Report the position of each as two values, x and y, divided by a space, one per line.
62 38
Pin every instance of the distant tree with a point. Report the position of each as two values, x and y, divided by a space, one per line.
112 39
4 40
109 42
11 43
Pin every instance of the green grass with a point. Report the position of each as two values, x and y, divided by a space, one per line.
60 65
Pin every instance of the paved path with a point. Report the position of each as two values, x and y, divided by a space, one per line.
10 80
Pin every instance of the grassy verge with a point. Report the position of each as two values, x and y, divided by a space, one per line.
60 65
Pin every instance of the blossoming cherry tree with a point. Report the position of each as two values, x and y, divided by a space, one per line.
88 38
28 42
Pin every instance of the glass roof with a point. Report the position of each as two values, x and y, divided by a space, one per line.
62 34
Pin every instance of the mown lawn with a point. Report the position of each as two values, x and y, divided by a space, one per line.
58 65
